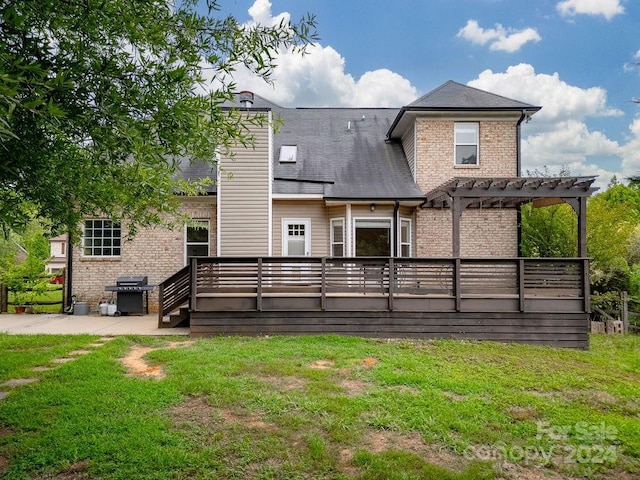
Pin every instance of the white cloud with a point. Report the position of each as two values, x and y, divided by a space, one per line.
560 101
631 151
607 8
558 135
498 38
319 78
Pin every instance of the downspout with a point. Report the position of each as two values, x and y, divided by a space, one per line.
519 173
396 222
69 272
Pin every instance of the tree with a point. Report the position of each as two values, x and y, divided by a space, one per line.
549 231
100 99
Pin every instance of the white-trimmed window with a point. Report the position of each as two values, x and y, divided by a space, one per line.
372 237
337 237
101 238
405 237
197 239
466 143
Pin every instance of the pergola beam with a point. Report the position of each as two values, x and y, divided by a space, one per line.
461 193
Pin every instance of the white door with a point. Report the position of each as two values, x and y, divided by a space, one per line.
296 237
296 242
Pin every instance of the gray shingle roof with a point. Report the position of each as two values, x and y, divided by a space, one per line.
456 97
344 151
196 171
453 95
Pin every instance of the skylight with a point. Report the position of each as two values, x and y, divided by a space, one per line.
288 153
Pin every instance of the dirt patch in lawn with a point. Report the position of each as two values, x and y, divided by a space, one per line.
198 411
322 364
4 465
354 388
285 383
376 441
137 365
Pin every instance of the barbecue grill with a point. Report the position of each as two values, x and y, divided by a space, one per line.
132 292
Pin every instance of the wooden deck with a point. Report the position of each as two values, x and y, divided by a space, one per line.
517 300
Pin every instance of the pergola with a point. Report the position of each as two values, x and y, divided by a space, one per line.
460 193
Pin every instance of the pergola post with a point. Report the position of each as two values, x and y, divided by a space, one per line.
456 213
579 206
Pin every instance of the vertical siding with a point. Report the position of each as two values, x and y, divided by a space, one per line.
315 210
245 198
409 147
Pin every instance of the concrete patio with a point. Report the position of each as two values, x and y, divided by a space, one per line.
90 324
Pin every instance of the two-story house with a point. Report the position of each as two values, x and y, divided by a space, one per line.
395 216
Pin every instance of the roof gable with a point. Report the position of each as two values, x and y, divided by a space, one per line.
455 97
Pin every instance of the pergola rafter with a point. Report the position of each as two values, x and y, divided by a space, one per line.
460 193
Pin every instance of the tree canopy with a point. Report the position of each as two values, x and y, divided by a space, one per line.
99 99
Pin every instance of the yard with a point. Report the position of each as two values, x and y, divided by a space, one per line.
48 301
321 407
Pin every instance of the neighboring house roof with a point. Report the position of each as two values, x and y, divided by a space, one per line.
456 97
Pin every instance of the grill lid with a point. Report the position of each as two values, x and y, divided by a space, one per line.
131 281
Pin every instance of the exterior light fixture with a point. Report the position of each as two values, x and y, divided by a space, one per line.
373 207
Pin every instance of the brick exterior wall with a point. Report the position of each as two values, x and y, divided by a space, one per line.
155 252
483 233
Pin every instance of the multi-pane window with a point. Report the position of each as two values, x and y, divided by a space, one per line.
197 239
337 237
405 237
102 238
466 143
296 235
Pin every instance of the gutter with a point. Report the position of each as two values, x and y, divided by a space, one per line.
396 208
69 274
519 173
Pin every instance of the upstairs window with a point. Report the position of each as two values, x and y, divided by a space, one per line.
466 143
101 238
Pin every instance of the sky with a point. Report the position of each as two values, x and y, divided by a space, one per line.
575 58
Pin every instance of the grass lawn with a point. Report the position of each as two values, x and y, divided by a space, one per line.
319 407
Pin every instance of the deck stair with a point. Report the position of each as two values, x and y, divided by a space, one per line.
174 295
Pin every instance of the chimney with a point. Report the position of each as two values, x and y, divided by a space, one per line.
246 99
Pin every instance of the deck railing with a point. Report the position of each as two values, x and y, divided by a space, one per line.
454 278
174 292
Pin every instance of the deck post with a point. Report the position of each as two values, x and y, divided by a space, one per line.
456 213
521 283
456 283
259 286
160 304
392 281
323 284
586 287
194 284
624 311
